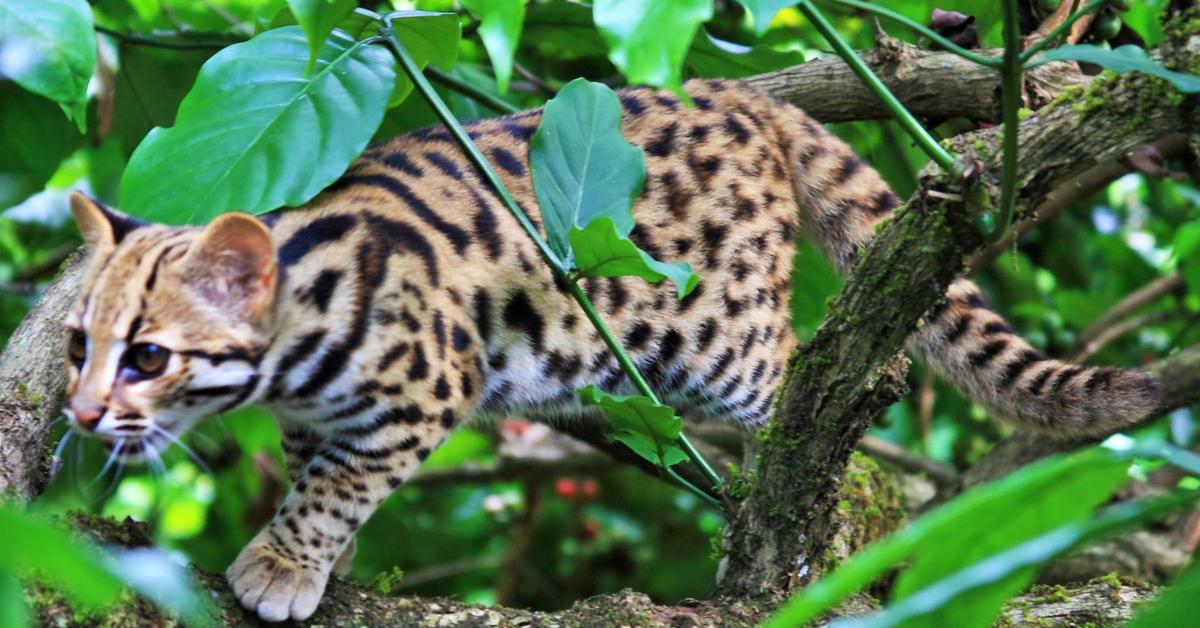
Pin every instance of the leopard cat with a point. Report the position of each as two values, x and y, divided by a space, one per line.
405 300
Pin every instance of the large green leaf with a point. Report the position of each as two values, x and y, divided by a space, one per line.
78 571
13 611
1127 58
36 136
562 30
500 30
713 57
648 39
973 596
430 38
649 429
257 132
48 47
762 11
601 251
582 166
1017 508
151 83
318 18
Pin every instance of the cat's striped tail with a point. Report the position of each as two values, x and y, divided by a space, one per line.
842 200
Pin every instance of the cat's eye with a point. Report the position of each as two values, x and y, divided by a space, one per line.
146 359
77 347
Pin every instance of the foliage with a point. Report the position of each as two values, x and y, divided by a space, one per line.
174 65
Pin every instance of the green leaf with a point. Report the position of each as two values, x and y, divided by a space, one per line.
13 611
49 49
36 136
430 38
763 11
256 132
151 83
76 570
1187 251
1018 507
1127 58
649 429
318 18
562 30
601 251
648 39
582 166
713 57
974 595
500 30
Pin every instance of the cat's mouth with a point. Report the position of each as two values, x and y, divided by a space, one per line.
146 444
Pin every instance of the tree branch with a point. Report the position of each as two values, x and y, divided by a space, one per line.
829 92
849 373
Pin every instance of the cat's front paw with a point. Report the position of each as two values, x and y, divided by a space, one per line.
274 586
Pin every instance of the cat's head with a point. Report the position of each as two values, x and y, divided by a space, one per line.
169 326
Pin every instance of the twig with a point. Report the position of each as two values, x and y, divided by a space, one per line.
1135 300
882 449
1062 19
942 157
174 41
47 267
494 103
509 468
535 80
1069 193
1113 332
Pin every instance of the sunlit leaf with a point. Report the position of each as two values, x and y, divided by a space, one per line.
166 583
500 30
601 251
48 47
714 57
13 611
241 128
430 38
76 570
648 39
1017 507
1127 58
649 429
974 596
762 11
318 18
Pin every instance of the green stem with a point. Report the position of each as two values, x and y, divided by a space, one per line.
1010 95
635 376
975 57
709 499
1053 35
942 157
556 266
470 91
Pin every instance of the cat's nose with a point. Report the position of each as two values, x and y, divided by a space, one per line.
87 416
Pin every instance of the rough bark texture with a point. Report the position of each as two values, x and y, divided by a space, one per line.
32 378
829 91
844 378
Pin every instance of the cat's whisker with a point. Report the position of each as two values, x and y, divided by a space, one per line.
187 450
114 482
56 460
112 457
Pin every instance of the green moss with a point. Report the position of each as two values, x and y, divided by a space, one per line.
385 581
1024 114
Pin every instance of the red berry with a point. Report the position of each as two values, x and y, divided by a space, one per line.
566 488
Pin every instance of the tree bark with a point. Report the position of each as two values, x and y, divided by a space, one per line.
32 379
849 372
830 92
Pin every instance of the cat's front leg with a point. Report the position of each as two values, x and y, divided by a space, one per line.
283 571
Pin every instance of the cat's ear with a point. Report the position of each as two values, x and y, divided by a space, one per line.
101 226
232 265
